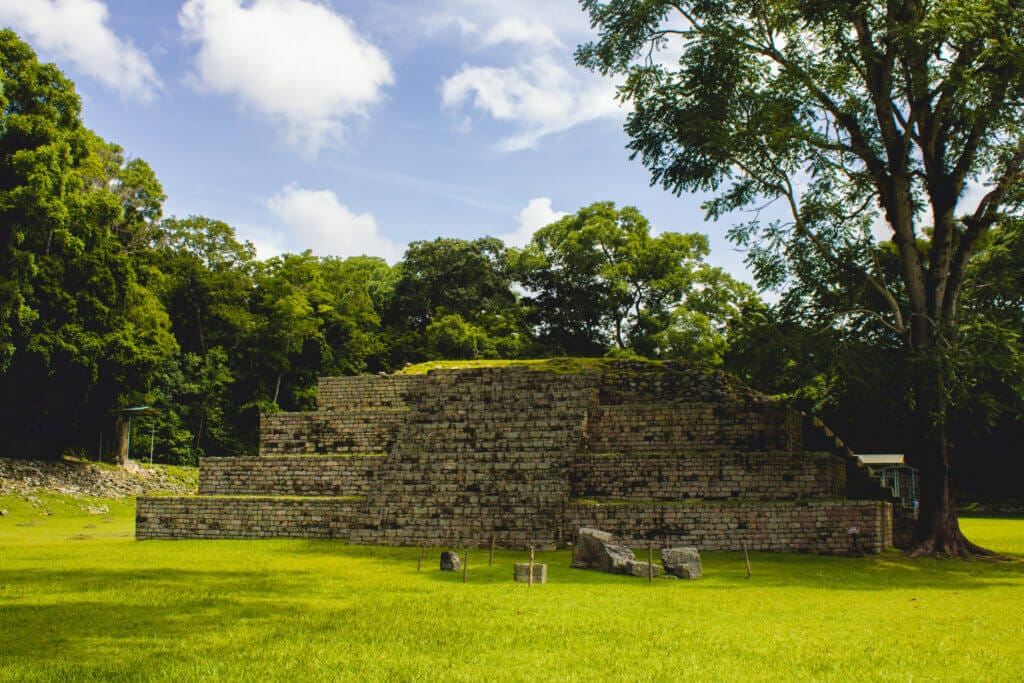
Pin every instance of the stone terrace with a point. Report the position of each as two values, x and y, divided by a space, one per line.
673 453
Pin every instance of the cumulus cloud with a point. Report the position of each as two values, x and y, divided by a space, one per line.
317 220
295 61
516 30
523 73
77 30
540 97
267 241
535 215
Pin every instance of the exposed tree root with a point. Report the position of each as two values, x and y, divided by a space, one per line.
952 546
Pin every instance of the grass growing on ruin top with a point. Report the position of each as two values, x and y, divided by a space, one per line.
81 600
563 365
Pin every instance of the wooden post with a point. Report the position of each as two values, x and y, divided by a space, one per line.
490 561
650 563
530 579
747 558
465 566
423 550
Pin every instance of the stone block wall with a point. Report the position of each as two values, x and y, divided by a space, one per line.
736 475
819 526
485 452
347 475
244 517
692 427
365 391
359 430
671 382
676 454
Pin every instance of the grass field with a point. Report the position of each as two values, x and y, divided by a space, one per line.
81 600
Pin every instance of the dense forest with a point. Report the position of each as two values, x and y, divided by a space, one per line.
105 304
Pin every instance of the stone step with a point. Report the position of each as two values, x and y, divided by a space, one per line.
246 517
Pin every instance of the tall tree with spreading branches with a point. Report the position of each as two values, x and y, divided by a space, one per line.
851 115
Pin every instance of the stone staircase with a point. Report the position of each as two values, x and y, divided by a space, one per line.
484 454
671 453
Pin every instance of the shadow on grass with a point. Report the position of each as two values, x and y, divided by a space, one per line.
114 624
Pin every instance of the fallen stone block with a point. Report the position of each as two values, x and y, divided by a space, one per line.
683 562
596 549
641 569
450 561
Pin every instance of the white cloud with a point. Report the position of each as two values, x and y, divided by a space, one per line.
517 30
526 77
295 61
561 19
540 97
77 30
535 215
317 220
267 241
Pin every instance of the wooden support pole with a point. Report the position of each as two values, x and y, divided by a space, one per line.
747 558
530 579
465 567
650 563
490 561
423 550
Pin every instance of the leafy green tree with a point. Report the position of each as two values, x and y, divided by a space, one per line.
471 280
846 113
449 337
204 277
316 318
207 283
598 279
80 333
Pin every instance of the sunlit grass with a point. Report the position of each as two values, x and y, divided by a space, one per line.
80 599
552 364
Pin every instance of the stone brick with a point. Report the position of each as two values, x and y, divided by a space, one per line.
673 453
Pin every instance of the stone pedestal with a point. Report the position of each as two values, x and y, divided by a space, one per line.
521 572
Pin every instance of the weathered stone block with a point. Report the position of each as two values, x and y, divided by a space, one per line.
682 562
641 569
521 572
450 561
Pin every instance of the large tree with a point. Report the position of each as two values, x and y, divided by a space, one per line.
851 115
598 280
453 298
80 332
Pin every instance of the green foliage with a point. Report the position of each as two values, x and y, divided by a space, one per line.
844 115
77 315
454 296
598 279
316 318
88 602
451 337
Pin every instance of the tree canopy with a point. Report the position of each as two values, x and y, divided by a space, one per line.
850 115
107 303
599 279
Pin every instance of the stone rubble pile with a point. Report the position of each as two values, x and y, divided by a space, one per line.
596 549
24 477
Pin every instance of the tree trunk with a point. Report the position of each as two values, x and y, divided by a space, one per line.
121 427
277 387
937 532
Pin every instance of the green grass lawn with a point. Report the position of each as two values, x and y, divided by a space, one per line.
81 599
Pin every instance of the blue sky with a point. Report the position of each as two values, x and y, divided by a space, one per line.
356 127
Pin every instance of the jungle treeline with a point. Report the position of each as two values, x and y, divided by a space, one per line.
106 304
